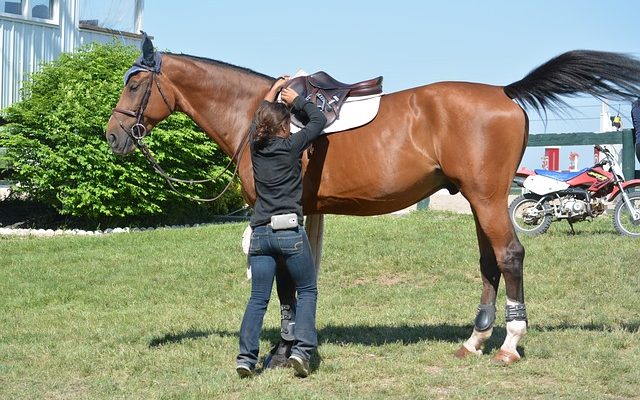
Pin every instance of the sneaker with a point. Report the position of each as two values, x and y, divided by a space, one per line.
300 366
244 371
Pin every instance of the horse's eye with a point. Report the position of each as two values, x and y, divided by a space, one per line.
134 86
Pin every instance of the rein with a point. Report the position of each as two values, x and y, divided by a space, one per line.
138 131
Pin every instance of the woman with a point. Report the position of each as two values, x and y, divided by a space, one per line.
277 225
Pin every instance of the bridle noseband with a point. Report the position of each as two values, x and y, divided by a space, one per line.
138 131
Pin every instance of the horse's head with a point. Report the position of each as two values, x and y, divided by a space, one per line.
144 102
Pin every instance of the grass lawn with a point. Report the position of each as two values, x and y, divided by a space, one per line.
155 315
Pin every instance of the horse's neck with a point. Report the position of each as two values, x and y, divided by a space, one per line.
222 101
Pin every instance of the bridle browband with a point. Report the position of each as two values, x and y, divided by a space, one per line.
138 131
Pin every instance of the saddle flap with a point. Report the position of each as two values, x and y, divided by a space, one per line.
328 101
299 85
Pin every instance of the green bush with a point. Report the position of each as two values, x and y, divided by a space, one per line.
59 156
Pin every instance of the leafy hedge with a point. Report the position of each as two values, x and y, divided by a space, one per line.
59 156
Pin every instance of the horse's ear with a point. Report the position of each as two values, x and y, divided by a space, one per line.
147 51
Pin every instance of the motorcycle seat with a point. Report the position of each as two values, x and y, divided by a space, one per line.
559 176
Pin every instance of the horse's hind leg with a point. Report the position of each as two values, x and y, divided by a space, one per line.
500 254
486 314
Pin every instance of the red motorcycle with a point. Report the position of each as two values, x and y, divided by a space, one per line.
576 196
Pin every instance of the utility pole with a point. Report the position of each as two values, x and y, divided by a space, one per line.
605 119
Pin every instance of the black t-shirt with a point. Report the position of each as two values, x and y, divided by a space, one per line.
277 168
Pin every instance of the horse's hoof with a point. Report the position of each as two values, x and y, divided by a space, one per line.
279 356
505 357
463 352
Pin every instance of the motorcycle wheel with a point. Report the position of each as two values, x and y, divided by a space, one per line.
622 219
530 226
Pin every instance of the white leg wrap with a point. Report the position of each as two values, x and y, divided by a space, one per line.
314 225
515 332
476 341
246 239
246 244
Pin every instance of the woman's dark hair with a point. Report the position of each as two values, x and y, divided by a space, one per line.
271 118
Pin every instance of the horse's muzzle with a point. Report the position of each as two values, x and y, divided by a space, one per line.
120 144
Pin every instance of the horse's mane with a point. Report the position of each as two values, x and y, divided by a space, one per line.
221 64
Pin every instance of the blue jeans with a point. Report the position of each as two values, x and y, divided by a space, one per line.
266 246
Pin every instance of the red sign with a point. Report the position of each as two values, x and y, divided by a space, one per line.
553 155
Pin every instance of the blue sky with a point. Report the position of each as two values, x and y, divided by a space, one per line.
410 43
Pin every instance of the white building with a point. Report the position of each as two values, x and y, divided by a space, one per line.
33 32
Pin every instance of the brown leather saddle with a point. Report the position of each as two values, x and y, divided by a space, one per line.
329 94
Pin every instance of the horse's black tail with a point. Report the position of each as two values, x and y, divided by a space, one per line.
602 74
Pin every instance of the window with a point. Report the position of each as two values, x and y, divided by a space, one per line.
11 7
42 9
39 10
119 15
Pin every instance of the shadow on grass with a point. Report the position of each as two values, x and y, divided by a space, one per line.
405 334
381 335
171 338
626 326
365 335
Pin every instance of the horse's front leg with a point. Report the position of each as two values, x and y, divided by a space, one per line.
286 288
279 356
314 225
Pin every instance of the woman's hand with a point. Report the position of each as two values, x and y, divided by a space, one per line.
288 95
280 82
275 88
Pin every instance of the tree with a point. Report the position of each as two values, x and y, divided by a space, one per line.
59 156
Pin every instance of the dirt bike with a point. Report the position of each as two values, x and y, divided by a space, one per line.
576 196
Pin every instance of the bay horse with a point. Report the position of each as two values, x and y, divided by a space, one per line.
466 137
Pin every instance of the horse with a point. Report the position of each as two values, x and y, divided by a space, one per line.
463 136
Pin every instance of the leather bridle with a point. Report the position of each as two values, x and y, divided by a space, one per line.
138 131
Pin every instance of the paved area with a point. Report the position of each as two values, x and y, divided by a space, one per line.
443 201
